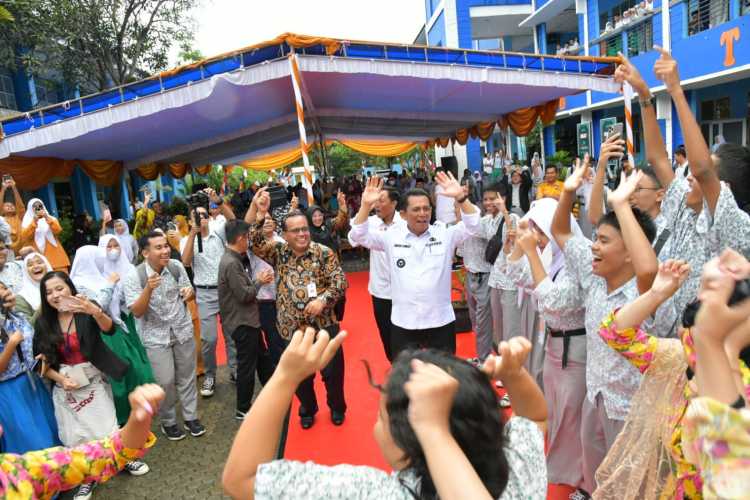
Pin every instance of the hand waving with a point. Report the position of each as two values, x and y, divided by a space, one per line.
672 274
451 187
625 190
575 180
371 194
627 72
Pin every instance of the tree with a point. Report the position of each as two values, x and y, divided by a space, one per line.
534 140
96 44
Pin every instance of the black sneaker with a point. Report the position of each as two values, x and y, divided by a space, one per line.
239 415
579 494
172 432
195 428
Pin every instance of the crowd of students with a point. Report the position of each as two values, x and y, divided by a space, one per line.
612 312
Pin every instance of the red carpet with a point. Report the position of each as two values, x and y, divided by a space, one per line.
353 442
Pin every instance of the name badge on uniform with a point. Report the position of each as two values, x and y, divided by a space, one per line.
312 290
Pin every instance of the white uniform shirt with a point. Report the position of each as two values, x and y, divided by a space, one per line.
420 269
380 272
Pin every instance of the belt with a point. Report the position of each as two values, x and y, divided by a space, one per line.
206 287
566 335
266 301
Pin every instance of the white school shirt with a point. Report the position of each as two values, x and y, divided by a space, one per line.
420 269
380 277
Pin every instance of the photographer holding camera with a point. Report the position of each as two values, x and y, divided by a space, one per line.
211 242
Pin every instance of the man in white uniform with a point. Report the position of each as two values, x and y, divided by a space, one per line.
420 256
386 218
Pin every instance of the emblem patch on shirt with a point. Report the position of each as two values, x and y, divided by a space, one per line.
400 263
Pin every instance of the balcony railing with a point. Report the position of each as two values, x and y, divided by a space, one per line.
689 17
633 32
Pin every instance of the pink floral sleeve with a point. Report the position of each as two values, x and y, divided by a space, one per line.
42 474
633 344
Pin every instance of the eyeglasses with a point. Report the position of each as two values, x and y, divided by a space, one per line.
299 230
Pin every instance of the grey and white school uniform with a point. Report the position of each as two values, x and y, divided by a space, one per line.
206 279
477 284
506 312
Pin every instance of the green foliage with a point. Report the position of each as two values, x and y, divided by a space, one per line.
560 157
534 140
66 236
5 15
95 44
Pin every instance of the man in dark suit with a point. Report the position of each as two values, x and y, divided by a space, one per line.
518 189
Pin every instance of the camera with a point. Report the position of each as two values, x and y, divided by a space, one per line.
199 199
741 292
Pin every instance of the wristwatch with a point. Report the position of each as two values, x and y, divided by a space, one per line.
645 103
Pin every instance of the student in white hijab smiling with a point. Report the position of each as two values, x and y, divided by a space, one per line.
39 230
96 274
28 300
128 245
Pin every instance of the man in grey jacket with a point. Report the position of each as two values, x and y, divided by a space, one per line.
238 307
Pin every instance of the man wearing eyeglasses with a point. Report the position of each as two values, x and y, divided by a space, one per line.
309 283
647 198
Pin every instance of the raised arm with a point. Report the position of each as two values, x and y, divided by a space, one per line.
360 233
698 154
656 153
342 215
561 230
638 246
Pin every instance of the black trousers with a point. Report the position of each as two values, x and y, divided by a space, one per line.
276 345
442 338
252 355
333 378
382 310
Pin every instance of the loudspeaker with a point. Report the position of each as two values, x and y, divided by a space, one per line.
450 163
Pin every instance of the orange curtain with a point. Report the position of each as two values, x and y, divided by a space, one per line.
149 171
274 160
203 169
34 173
522 121
178 170
379 148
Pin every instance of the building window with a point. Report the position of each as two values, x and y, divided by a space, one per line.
707 14
46 92
744 7
7 92
611 46
717 109
640 38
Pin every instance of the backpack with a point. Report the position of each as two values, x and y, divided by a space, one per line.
495 244
173 267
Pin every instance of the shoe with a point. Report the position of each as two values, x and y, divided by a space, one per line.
579 494
137 468
239 415
499 384
475 362
233 377
172 432
337 417
208 387
306 422
505 401
84 491
195 428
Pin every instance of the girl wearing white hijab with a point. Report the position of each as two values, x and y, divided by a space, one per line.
28 300
96 277
537 262
128 245
114 260
39 230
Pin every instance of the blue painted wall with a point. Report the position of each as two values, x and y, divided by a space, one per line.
436 35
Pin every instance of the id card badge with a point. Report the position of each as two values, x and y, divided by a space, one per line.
312 290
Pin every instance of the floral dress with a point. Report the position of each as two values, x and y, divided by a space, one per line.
42 474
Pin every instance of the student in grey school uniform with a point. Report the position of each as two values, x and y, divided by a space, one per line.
156 292
537 262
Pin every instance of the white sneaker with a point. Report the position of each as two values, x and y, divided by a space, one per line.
137 468
208 387
84 491
499 384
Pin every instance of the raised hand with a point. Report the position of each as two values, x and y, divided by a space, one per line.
627 72
528 241
450 185
625 190
509 364
371 194
308 353
734 264
575 180
262 200
431 392
612 148
672 274
665 69
341 198
294 202
716 319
